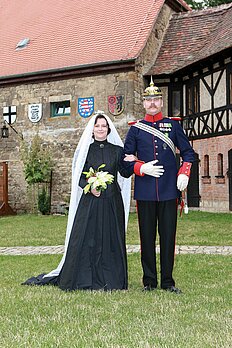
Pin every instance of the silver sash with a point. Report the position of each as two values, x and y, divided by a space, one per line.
158 134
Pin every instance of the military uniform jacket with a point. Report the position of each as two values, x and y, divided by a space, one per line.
148 147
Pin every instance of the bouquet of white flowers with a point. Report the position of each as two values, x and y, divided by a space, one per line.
97 179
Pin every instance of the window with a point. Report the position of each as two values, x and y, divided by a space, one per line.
60 108
176 111
220 165
206 166
192 99
230 86
175 100
206 179
219 178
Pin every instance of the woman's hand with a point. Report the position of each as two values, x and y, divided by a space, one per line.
95 192
130 158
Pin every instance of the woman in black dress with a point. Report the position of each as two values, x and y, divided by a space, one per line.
95 252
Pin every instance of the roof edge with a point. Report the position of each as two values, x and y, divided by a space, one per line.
203 63
178 5
67 72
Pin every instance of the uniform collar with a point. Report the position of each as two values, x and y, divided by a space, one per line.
153 118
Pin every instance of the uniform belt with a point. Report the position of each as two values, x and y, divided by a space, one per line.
157 133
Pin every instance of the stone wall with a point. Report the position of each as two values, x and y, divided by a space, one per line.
148 57
61 134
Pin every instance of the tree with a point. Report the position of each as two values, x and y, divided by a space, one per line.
198 5
37 161
195 5
38 165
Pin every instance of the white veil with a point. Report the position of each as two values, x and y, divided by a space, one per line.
77 166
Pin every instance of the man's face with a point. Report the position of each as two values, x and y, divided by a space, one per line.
153 105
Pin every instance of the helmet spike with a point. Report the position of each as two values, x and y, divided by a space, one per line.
151 83
152 91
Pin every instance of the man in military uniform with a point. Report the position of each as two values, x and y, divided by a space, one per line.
153 142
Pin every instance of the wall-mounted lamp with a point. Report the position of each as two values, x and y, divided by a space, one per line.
5 131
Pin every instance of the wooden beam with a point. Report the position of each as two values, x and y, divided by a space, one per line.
5 209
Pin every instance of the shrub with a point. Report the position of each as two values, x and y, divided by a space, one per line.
44 202
38 164
37 161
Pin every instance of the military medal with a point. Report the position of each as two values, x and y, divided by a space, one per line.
165 146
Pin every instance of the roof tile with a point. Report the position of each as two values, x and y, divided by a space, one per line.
194 36
72 33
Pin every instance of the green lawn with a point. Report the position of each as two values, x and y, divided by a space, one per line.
195 228
48 317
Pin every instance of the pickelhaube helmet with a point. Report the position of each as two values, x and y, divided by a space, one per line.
152 91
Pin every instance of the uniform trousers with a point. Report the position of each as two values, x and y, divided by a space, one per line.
152 214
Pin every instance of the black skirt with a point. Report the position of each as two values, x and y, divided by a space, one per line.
96 252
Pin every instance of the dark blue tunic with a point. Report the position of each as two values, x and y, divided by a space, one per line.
148 147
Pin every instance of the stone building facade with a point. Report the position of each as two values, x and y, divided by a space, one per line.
61 134
159 48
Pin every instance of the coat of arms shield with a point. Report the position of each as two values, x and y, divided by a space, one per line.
86 106
9 114
116 104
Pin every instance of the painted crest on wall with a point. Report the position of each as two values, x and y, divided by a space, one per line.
9 114
35 112
116 104
86 106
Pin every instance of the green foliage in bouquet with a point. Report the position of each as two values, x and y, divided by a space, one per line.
97 179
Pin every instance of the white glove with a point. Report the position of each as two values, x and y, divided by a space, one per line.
149 168
182 182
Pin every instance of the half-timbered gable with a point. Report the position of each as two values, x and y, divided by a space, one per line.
194 66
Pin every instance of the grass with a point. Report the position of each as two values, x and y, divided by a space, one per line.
48 317
35 230
196 228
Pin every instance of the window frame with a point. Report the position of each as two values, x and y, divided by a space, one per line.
192 98
174 89
60 105
206 167
219 166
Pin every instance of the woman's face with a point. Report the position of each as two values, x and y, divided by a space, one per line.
100 130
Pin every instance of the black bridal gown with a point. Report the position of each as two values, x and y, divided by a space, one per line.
96 254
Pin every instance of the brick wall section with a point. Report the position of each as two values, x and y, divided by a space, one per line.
214 193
